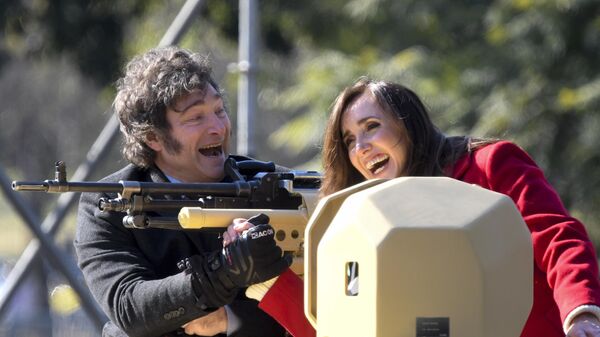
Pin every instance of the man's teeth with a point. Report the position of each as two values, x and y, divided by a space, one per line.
212 150
207 147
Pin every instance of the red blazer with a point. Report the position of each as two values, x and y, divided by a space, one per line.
565 265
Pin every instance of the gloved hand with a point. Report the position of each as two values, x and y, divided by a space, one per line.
210 292
253 258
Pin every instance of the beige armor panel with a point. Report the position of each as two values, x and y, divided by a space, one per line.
418 257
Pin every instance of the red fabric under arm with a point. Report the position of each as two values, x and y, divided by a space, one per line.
285 303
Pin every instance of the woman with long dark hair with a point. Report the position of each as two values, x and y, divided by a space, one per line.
382 130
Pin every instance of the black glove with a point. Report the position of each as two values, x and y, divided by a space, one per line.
210 292
252 258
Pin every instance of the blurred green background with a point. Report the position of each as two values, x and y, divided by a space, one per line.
523 70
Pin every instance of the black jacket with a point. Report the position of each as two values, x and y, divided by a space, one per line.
133 273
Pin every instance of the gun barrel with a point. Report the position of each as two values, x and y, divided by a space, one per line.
56 186
237 189
34 186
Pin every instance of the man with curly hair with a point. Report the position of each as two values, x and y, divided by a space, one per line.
159 282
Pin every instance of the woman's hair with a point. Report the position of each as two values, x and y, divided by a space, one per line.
152 82
430 152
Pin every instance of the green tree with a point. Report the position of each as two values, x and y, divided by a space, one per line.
525 70
90 33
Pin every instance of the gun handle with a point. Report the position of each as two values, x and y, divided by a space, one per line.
289 225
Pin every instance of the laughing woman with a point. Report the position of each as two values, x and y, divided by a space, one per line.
383 130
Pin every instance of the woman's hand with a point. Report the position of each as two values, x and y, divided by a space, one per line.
234 230
240 225
209 325
584 325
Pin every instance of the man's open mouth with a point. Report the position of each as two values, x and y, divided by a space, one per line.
377 164
212 150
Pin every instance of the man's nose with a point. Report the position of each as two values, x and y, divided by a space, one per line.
217 125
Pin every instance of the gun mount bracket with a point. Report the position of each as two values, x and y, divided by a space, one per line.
130 188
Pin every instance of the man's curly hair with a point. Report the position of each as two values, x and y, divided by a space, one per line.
151 83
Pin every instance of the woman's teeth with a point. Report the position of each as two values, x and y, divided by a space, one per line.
379 169
376 165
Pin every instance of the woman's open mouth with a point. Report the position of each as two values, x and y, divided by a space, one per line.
377 164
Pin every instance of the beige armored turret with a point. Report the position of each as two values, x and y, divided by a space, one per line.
420 257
